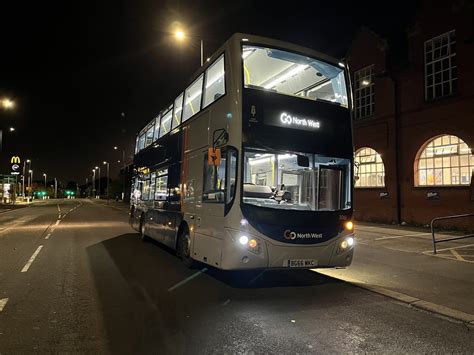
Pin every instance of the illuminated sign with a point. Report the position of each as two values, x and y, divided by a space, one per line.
15 161
297 122
143 170
290 235
291 120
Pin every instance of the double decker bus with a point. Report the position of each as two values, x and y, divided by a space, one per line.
251 166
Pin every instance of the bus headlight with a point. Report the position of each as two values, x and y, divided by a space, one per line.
346 244
243 240
252 245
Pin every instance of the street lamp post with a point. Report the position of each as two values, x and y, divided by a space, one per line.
180 36
30 182
98 168
45 178
23 177
123 172
93 183
108 181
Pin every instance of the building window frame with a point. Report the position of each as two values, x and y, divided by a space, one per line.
440 67
364 92
369 168
444 157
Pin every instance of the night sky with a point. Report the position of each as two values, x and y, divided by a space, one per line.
73 68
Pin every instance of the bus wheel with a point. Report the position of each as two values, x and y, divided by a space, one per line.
143 236
184 248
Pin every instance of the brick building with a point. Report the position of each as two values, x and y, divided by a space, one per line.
414 123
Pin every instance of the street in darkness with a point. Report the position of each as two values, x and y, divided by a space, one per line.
95 287
216 177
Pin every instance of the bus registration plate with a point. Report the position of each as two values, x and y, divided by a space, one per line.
300 263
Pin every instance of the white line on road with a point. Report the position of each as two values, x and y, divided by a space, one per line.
401 236
47 236
197 273
33 257
457 247
3 302
57 222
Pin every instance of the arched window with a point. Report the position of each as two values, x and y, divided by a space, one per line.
444 161
369 168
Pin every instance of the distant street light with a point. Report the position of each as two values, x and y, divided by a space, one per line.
12 129
7 104
30 183
179 35
108 167
45 178
115 148
93 183
23 177
98 168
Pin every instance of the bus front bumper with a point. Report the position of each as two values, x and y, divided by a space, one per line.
271 254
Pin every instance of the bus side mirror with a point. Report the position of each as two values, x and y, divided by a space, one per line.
214 156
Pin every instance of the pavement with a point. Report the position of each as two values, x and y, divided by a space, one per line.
400 260
75 278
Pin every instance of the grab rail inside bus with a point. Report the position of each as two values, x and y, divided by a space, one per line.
434 220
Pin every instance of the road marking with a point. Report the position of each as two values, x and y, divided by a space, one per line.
457 247
3 302
401 236
47 236
455 253
59 208
57 222
33 257
196 274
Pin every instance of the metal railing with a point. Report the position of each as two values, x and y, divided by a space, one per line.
448 239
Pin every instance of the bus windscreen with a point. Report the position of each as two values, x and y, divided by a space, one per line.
280 181
293 74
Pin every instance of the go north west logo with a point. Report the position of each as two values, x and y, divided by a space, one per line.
290 235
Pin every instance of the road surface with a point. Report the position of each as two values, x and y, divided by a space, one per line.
75 278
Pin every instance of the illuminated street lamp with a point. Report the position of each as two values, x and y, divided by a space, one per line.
123 171
7 104
180 35
30 180
98 168
12 129
23 177
108 167
93 182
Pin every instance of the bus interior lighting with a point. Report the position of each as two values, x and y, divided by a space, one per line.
286 75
